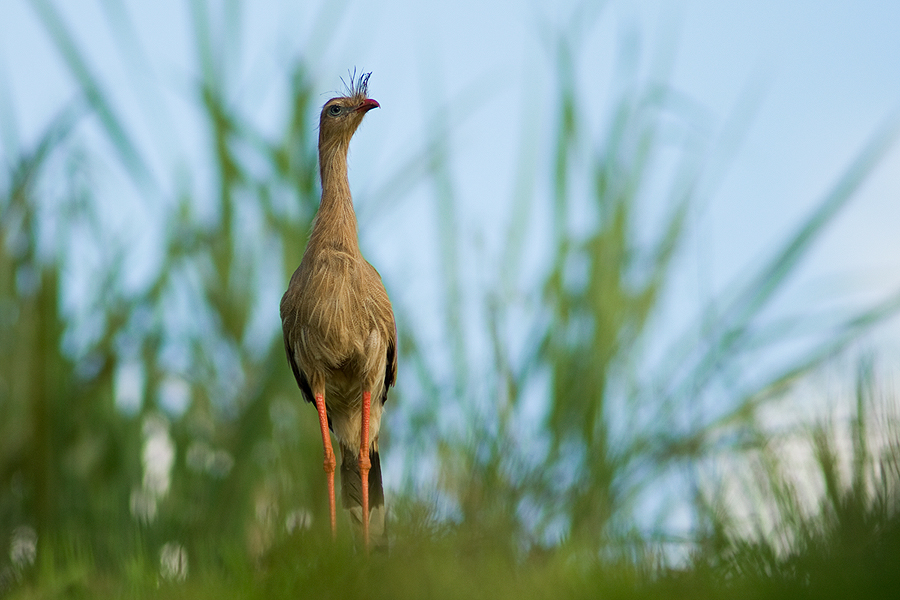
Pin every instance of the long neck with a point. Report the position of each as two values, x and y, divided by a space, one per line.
336 221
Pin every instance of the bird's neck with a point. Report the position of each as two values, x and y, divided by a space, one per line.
336 220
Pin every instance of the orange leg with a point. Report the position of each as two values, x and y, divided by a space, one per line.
330 461
365 464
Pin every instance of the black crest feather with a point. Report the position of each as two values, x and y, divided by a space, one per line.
357 87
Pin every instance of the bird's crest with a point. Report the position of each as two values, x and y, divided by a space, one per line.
357 87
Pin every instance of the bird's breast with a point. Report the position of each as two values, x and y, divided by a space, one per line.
335 312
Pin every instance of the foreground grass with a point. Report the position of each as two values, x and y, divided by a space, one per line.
437 569
849 555
847 545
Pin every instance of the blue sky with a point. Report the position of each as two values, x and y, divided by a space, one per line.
829 74
824 75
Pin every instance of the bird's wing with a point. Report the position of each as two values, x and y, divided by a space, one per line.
384 303
299 375
390 375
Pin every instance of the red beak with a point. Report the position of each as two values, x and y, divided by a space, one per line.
367 105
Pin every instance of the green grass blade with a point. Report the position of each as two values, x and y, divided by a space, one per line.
75 59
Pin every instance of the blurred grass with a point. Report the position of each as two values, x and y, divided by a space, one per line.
552 509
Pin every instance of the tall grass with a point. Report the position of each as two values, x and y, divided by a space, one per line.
100 388
827 526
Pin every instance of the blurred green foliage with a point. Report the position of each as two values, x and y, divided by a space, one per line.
153 443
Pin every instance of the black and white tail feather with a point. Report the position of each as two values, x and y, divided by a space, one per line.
351 495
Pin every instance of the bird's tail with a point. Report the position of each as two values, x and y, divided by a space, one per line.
351 495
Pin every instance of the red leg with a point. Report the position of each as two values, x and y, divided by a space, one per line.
330 461
365 464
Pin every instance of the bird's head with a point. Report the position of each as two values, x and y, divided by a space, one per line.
342 115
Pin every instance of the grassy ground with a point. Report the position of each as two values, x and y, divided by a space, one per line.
464 565
845 546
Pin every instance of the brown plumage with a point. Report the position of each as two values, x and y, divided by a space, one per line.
339 331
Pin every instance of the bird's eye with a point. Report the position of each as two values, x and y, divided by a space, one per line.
334 111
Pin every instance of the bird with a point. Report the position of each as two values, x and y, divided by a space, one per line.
340 335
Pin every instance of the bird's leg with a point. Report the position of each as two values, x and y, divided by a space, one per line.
365 464
330 461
